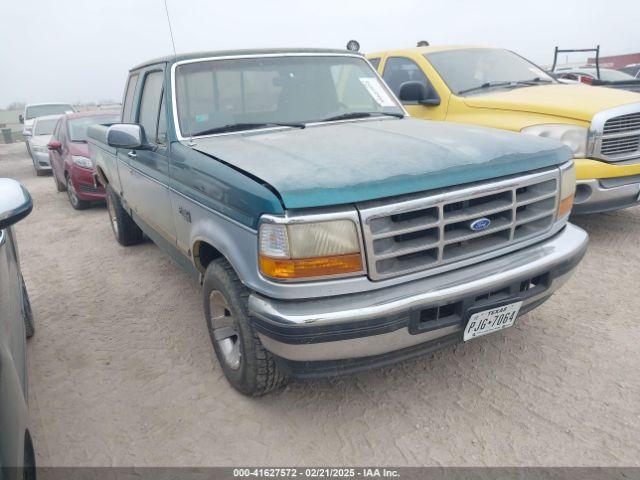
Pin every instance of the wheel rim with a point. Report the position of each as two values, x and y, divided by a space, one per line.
112 215
71 192
225 332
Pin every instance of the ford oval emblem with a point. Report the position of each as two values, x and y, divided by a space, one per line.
480 224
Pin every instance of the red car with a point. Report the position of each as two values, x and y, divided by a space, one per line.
69 157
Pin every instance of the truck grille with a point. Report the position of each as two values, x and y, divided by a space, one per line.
620 138
624 123
620 145
423 232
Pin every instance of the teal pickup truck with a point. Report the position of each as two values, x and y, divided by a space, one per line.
331 232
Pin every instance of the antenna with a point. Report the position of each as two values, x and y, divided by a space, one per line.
166 9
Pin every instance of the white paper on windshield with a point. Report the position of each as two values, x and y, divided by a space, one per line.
377 91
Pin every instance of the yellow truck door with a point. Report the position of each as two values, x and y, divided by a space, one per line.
398 69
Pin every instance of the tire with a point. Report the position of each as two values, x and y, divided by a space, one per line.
41 173
75 202
251 370
60 187
27 313
124 228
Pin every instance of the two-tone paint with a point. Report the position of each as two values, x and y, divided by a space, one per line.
204 197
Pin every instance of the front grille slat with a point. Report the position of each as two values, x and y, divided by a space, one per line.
623 123
620 138
421 232
86 188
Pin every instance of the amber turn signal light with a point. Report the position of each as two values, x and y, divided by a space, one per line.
565 206
311 267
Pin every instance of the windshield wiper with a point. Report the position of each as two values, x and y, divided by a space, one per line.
485 86
534 81
515 83
354 115
236 127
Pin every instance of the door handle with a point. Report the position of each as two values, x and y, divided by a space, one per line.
132 154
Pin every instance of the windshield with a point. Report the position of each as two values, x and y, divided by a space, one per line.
42 110
218 94
472 68
45 127
78 126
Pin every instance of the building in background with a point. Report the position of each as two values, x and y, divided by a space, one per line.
617 61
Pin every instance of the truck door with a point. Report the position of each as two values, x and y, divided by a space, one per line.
147 176
397 70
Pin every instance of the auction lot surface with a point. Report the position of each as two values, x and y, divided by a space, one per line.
122 372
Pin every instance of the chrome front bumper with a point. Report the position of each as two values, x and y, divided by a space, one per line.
380 322
594 196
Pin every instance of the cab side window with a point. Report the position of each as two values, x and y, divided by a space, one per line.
150 104
398 70
127 112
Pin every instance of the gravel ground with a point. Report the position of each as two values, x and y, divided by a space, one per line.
122 372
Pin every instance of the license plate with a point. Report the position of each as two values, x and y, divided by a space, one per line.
492 320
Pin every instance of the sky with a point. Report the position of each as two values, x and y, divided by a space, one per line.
81 50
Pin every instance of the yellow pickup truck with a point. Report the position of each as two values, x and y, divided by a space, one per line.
498 88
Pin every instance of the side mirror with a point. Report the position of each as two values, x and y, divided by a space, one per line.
15 202
21 118
127 135
54 145
416 92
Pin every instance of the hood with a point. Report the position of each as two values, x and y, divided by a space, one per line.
40 140
79 148
357 161
580 102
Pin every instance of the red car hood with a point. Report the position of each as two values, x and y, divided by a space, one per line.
79 148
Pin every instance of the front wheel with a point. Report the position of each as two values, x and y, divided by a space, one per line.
247 365
126 231
75 202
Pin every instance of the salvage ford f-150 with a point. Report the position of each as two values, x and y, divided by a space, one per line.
331 232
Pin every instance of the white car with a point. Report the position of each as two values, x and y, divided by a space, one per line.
34 110
38 140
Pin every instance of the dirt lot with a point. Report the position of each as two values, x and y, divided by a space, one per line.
122 372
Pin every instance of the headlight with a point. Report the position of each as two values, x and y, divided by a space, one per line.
82 161
567 189
305 250
40 149
573 136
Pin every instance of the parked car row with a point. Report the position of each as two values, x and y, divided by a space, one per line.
331 230
58 145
